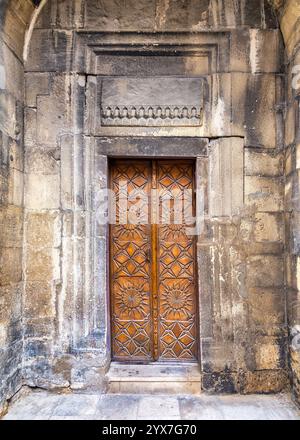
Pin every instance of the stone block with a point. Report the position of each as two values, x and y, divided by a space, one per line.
258 14
263 382
39 326
37 348
254 109
10 121
54 116
58 15
268 227
265 271
293 233
66 148
40 265
42 160
11 303
50 51
36 84
263 164
10 266
289 165
13 73
217 355
226 180
39 300
264 248
271 302
293 307
16 187
220 121
16 155
220 383
292 192
268 354
288 25
194 15
11 226
111 15
241 13
263 193
3 187
30 132
43 229
290 124
298 156
14 332
240 50
42 191
266 51
17 15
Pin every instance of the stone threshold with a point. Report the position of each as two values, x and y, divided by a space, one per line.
154 378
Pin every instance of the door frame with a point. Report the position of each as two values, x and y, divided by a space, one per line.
164 148
154 260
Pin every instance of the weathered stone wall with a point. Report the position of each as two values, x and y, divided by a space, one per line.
243 349
241 252
13 26
290 25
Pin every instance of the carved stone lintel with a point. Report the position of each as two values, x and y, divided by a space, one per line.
155 101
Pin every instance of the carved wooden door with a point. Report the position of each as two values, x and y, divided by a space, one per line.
152 262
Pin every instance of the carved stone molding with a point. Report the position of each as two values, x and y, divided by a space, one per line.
151 115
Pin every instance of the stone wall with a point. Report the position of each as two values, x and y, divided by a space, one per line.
243 263
242 247
290 24
11 195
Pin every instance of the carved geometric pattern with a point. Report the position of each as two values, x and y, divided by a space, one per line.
177 339
131 339
131 298
130 232
176 260
135 174
179 176
152 318
131 258
177 233
176 299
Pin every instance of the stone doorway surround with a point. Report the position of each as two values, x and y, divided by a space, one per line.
100 150
116 115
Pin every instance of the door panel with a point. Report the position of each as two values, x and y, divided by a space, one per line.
152 265
130 265
176 264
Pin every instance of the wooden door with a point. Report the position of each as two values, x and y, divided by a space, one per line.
152 262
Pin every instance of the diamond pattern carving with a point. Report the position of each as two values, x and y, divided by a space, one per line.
131 258
176 260
177 339
131 339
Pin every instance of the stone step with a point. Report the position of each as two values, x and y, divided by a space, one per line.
155 378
